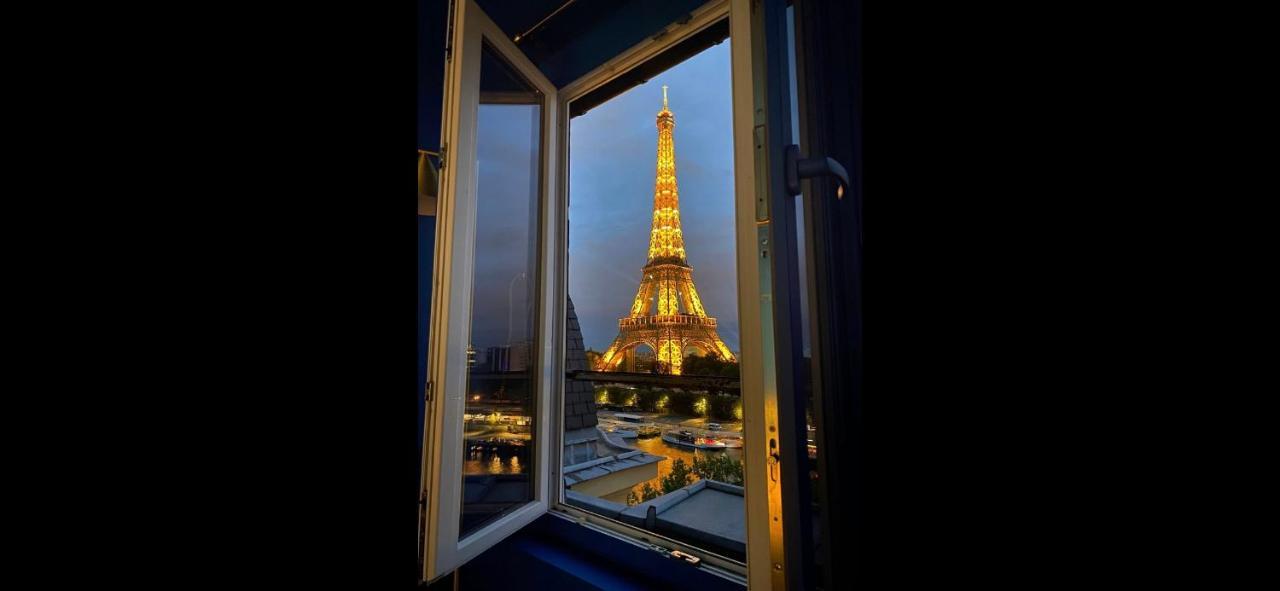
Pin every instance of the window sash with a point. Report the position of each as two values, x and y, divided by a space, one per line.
441 549
763 504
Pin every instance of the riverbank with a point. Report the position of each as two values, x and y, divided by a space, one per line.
658 447
670 421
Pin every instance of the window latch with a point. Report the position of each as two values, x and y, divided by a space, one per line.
798 168
689 558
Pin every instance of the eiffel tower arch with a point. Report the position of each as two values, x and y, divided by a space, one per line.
667 314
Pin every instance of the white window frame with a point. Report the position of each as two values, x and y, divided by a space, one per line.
442 549
762 496
442 463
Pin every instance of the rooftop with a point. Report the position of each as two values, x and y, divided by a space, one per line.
607 465
707 513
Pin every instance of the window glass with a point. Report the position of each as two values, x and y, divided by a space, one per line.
653 433
498 421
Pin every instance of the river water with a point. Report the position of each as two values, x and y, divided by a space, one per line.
482 463
658 447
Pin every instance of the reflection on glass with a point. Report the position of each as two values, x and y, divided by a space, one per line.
498 423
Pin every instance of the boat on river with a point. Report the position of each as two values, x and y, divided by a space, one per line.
688 439
620 432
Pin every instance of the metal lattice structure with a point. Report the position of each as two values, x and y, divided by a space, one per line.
679 320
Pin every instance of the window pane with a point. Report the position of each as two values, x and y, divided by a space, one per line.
498 423
653 309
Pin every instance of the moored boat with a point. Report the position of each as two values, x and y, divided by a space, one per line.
688 439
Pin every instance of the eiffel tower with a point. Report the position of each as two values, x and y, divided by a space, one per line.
680 321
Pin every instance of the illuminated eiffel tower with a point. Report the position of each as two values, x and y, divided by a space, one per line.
679 322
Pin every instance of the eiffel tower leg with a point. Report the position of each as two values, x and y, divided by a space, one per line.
718 347
692 302
671 351
610 357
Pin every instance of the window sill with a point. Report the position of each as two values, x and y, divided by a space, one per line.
558 551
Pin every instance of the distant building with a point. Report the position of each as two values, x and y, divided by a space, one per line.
513 358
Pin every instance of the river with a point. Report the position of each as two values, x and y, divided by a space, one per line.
658 447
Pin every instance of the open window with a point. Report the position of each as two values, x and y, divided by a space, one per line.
654 439
506 405
490 390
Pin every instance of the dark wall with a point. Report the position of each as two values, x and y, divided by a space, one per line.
432 15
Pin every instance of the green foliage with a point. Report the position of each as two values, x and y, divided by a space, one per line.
647 493
708 365
721 406
618 395
718 467
679 477
647 399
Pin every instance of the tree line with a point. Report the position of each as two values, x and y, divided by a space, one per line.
715 405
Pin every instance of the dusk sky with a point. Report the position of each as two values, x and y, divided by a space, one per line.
612 160
613 153
507 179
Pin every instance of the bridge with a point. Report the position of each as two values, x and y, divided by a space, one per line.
684 382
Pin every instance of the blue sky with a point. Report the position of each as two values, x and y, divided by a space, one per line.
612 160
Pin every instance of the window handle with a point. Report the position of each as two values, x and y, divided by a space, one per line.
798 168
774 459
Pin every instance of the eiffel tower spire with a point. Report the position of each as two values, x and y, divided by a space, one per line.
666 242
666 280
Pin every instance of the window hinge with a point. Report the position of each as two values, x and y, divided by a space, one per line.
444 152
428 396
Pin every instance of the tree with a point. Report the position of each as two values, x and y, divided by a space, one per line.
709 365
723 405
718 467
647 493
679 477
